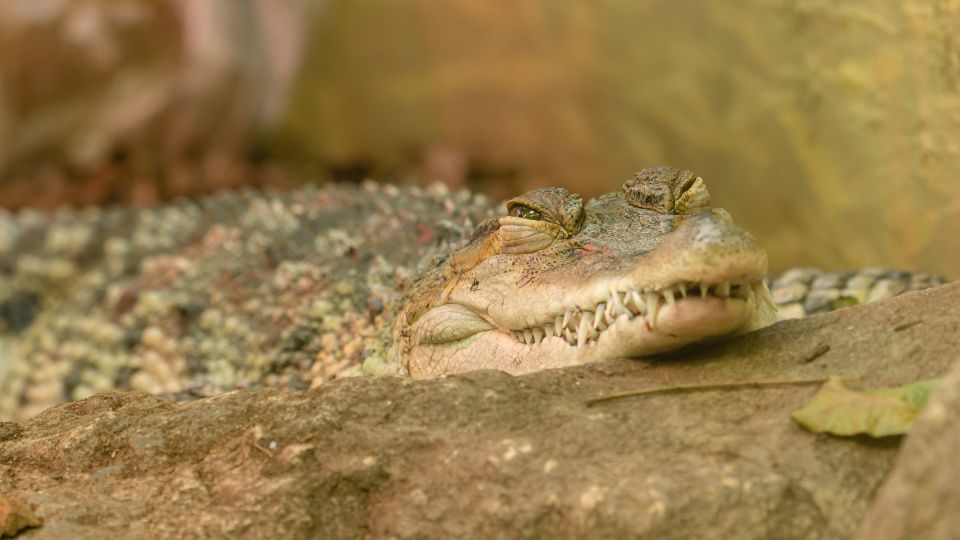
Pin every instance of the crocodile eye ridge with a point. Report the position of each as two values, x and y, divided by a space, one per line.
549 205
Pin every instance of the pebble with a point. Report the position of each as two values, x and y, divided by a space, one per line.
790 292
796 275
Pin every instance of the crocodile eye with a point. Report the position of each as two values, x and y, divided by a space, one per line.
549 205
525 212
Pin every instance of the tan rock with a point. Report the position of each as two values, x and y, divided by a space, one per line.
488 455
15 515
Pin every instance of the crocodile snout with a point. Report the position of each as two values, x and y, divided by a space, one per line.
665 190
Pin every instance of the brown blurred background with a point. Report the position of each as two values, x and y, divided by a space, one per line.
828 129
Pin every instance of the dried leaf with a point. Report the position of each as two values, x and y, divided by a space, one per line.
838 410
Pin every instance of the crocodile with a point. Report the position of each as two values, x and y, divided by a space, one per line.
557 282
295 288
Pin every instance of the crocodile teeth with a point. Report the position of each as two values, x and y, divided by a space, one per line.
618 306
598 321
746 290
668 296
764 294
527 336
723 290
653 306
574 322
638 302
583 333
537 334
579 327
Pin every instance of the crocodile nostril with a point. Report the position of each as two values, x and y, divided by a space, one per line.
659 188
687 181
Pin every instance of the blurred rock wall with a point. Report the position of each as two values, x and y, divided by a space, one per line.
139 100
828 129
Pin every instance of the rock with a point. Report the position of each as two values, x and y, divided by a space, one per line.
489 455
15 515
922 497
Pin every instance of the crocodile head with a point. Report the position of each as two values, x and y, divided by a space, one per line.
639 272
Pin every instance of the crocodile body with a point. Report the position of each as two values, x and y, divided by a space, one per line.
248 289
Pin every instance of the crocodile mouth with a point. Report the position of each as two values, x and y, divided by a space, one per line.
651 310
624 322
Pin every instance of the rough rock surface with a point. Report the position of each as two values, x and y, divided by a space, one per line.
922 497
15 515
485 454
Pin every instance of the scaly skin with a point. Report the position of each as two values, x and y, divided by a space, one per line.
644 271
